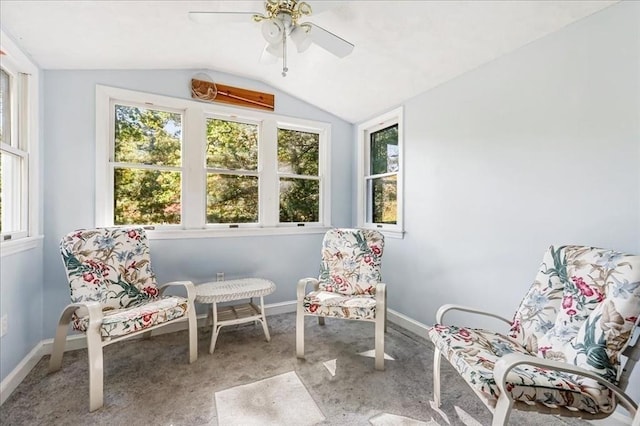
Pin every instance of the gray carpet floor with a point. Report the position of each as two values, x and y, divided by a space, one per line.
150 382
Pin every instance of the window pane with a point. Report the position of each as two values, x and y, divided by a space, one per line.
146 197
232 199
382 199
232 145
384 150
10 192
147 136
298 152
5 107
299 200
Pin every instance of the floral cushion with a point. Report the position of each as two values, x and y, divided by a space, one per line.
118 322
606 333
109 265
581 309
331 304
473 353
112 266
538 310
584 288
595 297
351 261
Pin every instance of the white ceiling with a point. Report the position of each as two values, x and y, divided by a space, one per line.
402 48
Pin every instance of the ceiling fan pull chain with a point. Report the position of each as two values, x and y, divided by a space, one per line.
284 55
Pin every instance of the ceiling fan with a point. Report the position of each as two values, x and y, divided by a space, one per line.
280 23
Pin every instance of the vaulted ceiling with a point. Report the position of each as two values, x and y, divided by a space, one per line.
402 48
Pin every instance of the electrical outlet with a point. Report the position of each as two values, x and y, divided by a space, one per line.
4 325
220 276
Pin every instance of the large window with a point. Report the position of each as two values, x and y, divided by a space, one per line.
380 177
14 155
298 168
232 172
146 167
176 164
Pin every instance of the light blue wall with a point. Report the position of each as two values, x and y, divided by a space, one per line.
70 189
21 301
539 147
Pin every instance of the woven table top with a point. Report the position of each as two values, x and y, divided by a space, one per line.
226 291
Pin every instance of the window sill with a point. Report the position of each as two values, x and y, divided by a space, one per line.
175 234
7 248
392 234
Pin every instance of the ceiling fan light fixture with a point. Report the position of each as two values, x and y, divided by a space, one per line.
281 20
274 49
301 37
272 30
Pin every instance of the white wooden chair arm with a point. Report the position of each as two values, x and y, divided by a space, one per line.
451 307
188 285
92 309
302 286
508 362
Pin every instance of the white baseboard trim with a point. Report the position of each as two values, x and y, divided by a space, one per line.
408 323
280 308
17 375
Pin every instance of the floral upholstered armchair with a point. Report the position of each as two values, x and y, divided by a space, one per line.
349 285
114 296
562 354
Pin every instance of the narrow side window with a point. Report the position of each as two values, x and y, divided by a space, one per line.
380 201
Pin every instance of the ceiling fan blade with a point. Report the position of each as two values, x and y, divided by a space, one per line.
329 41
215 17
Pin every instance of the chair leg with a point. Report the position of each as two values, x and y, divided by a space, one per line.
380 323
379 336
436 377
96 370
300 331
60 339
193 334
502 411
385 312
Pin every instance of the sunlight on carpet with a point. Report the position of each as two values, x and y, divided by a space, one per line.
466 418
331 366
372 354
272 401
435 408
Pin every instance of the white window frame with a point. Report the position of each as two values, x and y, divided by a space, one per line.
256 173
323 178
194 169
24 144
365 129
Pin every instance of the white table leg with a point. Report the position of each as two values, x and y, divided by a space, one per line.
264 320
214 329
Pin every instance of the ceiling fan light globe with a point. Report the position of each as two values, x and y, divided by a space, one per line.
272 31
274 49
268 57
301 38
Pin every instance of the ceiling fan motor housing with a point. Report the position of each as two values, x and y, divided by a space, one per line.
292 8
